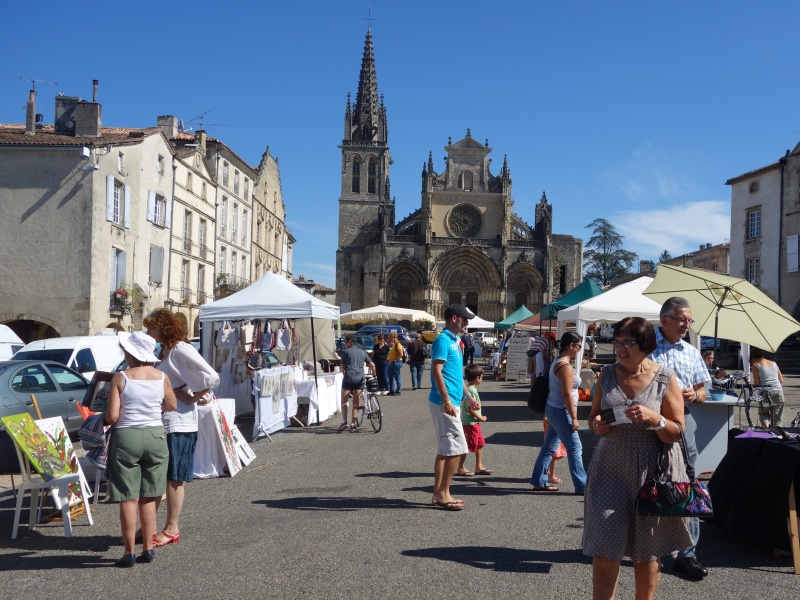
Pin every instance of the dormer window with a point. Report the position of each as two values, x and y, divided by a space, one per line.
754 187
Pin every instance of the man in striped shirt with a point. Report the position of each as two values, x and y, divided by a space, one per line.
683 358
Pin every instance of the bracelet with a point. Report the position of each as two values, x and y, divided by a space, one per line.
446 402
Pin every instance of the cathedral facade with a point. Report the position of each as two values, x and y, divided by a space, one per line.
465 244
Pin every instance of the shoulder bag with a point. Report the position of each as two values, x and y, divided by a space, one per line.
540 389
663 498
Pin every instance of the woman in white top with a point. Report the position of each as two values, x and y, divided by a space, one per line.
137 453
192 378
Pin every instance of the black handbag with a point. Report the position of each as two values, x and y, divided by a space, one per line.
663 498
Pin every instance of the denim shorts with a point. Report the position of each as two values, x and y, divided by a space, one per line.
181 455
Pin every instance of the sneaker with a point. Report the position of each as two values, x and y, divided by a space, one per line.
690 566
353 427
392 394
343 426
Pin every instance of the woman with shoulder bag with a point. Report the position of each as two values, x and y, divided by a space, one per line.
396 353
645 398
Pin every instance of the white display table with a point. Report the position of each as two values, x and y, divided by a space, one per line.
324 398
276 399
209 456
714 418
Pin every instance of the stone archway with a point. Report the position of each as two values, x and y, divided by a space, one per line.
30 327
469 275
183 321
115 326
405 286
525 286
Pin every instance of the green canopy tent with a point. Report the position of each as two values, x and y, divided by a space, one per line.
583 291
518 315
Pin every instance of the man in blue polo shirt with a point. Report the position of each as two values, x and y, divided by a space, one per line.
448 390
672 352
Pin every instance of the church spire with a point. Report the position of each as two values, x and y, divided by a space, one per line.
369 112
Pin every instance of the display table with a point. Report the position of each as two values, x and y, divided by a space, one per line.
714 420
209 455
276 399
751 490
324 398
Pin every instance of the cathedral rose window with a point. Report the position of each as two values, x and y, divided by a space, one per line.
464 221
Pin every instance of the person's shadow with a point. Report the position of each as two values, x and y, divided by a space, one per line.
506 560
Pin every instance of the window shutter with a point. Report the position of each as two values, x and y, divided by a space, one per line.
791 253
151 205
168 214
109 197
156 264
127 207
121 260
113 269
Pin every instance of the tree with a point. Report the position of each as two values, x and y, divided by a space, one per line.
665 256
606 260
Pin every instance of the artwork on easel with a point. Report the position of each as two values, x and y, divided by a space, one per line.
54 429
96 397
37 447
226 439
243 449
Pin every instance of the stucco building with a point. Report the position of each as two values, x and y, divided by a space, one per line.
464 244
765 225
713 257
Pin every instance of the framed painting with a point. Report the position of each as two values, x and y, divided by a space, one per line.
55 431
243 449
226 439
36 446
96 397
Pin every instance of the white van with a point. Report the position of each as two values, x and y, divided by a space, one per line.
9 342
84 353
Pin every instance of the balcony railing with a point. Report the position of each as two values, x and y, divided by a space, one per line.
120 303
230 283
187 245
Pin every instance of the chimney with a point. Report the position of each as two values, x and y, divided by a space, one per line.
94 90
169 125
88 120
30 114
201 139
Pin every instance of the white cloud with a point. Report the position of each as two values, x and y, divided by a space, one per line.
679 228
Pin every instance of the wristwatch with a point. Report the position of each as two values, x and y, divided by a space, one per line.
661 424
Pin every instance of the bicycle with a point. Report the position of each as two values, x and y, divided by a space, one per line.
748 393
370 406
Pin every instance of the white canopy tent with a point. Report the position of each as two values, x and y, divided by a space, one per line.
625 300
476 323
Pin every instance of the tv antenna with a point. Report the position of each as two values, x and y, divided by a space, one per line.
35 81
202 125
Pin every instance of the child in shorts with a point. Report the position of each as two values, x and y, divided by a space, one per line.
470 421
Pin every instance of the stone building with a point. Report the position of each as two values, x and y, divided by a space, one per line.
710 257
765 228
464 244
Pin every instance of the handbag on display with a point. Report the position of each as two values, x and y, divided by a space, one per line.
664 498
226 336
283 336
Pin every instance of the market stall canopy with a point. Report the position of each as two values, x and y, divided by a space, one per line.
625 300
7 336
534 323
271 297
725 307
583 291
383 313
518 315
478 323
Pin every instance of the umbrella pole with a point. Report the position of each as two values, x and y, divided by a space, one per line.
716 316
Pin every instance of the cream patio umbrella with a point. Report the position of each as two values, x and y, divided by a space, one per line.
382 314
724 306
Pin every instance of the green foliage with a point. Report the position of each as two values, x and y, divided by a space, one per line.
426 325
605 259
665 256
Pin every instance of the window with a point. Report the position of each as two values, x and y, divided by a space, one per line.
201 237
234 259
185 293
246 188
189 181
244 227
562 279
83 361
187 231
234 220
754 224
356 188
118 202
753 268
466 181
223 216
236 181
32 379
792 252
715 267
201 284
160 164
120 162
225 169
223 254
158 209
156 274
754 187
372 170
244 267
204 191
118 259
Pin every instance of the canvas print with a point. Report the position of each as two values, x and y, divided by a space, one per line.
243 449
55 431
226 439
40 450
96 397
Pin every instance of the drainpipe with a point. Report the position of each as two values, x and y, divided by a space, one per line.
169 246
780 228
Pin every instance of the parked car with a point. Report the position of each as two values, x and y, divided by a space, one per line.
372 330
9 343
58 390
485 339
84 353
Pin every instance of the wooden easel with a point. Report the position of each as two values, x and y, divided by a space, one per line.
55 516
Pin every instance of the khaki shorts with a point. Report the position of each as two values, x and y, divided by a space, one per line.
137 463
450 440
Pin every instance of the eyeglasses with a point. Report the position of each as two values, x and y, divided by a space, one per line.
623 343
683 321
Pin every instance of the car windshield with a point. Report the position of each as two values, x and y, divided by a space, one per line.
59 356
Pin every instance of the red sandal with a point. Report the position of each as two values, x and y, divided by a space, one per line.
171 539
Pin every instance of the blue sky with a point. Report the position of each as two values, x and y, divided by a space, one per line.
633 111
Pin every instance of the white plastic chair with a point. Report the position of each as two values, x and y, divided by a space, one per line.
35 482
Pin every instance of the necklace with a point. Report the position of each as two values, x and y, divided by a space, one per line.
643 367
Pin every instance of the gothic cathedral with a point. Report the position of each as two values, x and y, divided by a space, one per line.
465 244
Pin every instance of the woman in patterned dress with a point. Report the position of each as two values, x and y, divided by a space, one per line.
647 401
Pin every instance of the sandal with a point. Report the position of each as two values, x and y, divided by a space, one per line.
170 539
547 488
464 474
554 479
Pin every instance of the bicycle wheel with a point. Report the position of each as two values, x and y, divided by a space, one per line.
375 417
362 409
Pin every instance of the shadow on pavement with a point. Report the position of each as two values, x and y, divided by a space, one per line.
32 561
395 475
509 560
338 504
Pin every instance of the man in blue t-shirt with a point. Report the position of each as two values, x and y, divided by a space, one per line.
448 389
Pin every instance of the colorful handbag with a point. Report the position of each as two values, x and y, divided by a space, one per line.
663 498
